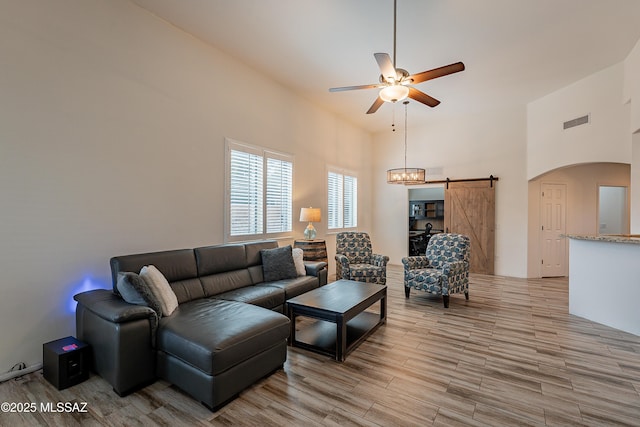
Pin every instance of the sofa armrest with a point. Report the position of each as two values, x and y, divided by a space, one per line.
122 338
314 267
317 269
112 308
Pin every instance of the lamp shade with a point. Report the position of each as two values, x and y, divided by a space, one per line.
394 93
310 214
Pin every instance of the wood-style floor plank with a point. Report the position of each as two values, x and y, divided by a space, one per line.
511 355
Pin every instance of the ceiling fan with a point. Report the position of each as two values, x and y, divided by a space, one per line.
396 82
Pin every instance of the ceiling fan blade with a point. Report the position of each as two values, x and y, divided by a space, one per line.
376 104
422 97
387 69
340 89
437 72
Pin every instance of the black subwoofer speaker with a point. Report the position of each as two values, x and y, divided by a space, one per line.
65 362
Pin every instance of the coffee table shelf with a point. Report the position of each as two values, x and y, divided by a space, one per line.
321 336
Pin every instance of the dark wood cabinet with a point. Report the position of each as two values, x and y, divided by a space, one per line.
314 250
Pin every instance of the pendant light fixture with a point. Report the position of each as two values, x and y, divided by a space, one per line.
405 175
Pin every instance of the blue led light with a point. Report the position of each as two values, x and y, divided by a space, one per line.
87 285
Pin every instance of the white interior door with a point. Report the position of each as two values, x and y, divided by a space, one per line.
553 218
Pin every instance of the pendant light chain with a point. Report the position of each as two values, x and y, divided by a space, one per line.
404 175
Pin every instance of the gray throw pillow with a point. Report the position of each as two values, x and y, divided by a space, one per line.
135 290
278 264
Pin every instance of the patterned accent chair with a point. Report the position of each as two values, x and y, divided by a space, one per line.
355 259
444 270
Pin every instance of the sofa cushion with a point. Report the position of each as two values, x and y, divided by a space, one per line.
293 287
135 290
235 332
220 259
277 264
160 288
215 284
131 286
178 266
298 260
252 250
262 296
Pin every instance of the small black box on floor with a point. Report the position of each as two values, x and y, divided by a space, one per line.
65 362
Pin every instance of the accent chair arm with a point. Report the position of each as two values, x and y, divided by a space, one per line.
342 267
453 268
454 276
414 262
342 260
379 260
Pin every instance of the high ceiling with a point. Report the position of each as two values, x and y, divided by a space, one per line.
515 51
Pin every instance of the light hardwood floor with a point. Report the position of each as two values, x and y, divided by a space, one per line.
511 355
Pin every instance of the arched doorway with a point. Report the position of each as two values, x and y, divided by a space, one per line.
582 183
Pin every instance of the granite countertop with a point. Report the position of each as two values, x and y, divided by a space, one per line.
612 238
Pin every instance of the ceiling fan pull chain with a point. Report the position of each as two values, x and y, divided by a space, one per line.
393 119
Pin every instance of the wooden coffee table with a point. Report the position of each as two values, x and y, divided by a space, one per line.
343 322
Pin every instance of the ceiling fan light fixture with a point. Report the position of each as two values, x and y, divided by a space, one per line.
394 93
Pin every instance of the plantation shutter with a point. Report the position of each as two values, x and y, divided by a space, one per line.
334 196
279 195
350 201
342 200
245 189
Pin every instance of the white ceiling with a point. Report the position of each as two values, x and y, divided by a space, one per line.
515 51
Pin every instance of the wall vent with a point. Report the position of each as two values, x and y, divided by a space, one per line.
577 122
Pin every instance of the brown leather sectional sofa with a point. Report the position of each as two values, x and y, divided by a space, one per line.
227 332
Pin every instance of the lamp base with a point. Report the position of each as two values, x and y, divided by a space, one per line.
310 232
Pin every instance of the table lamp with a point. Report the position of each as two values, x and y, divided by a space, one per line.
311 215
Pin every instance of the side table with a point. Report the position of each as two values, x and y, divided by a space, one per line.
313 250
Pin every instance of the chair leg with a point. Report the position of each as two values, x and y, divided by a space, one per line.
406 291
466 295
445 299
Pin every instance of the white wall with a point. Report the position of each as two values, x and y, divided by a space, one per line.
472 146
634 215
112 127
632 96
604 139
631 87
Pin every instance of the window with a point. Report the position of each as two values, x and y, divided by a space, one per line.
342 195
259 192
